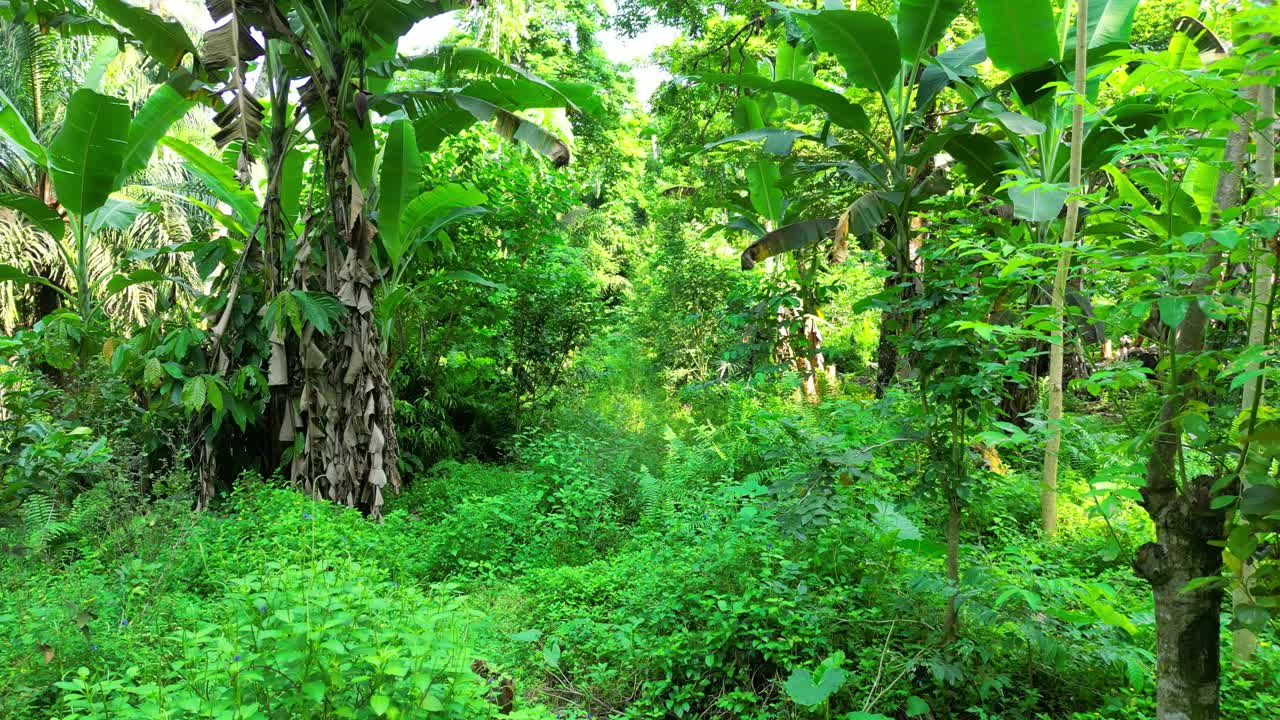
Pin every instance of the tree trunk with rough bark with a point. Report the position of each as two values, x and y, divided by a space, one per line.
1188 672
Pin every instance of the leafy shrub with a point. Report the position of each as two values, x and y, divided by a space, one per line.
300 642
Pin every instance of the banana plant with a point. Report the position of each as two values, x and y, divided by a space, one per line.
325 221
100 145
896 67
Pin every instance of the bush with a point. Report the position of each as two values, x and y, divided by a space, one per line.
300 642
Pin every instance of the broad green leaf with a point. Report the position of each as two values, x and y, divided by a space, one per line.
517 93
468 276
399 183
777 141
86 155
440 221
14 129
1126 190
1020 124
763 177
36 212
864 43
787 239
916 706
1110 23
137 277
1260 500
802 688
791 63
922 23
166 105
428 208
292 177
836 106
1173 310
1021 34
1037 202
747 115
363 151
379 704
866 214
387 20
983 158
951 66
164 40
194 394
106 50
9 273
117 213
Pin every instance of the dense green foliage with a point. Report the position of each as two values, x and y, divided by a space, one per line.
467 384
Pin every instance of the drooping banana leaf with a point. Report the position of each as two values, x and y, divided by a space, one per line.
164 40
430 211
219 179
1110 23
951 66
841 111
510 126
166 105
86 155
777 141
18 135
984 159
36 212
387 20
515 94
788 238
1209 46
117 213
232 46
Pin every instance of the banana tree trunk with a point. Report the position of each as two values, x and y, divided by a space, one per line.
349 450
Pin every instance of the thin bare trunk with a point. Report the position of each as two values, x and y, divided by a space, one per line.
1245 641
1049 478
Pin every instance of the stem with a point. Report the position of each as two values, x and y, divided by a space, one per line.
1053 444
1244 641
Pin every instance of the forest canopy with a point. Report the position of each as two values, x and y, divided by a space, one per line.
893 359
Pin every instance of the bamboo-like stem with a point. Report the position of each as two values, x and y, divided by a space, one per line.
1053 444
1245 641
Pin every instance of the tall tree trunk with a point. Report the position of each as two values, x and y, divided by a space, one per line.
349 451
1187 623
1245 641
1049 478
1188 669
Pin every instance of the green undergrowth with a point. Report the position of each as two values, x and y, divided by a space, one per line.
732 551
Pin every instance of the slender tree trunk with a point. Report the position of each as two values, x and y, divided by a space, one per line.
1188 672
1245 641
1049 478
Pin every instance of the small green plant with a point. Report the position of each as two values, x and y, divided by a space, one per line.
320 641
